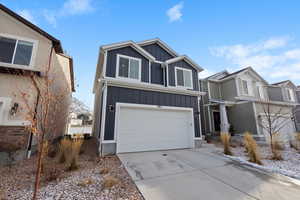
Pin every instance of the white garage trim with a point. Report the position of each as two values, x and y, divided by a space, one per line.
129 105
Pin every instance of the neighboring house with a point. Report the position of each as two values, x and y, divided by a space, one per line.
24 52
146 98
297 112
236 102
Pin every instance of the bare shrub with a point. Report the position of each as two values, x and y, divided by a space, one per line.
104 170
110 181
86 182
64 148
52 174
2 194
225 138
75 150
252 149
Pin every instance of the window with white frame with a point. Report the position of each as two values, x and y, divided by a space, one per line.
128 67
290 94
15 51
245 87
183 78
260 91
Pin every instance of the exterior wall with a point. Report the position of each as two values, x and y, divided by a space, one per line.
297 112
242 118
126 95
97 112
128 51
215 90
275 93
13 86
157 75
182 64
229 90
157 52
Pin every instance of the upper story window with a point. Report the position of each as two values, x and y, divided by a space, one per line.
290 94
260 91
129 67
14 51
183 78
245 87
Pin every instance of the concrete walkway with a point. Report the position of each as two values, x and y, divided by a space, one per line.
203 174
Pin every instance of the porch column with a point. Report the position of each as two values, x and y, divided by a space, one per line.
224 120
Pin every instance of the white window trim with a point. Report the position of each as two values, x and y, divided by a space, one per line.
127 78
261 91
191 74
291 93
33 55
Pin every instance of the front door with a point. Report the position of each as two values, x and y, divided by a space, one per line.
217 121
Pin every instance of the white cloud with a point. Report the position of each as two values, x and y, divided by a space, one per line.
175 13
69 8
27 15
272 57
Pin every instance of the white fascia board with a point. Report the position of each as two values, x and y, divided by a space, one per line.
255 73
265 102
150 87
129 43
187 59
161 44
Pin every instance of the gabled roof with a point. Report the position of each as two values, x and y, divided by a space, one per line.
284 83
128 43
211 77
187 59
242 71
161 44
56 43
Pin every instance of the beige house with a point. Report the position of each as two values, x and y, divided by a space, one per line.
25 51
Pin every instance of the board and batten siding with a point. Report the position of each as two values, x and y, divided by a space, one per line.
128 95
157 75
182 64
127 51
157 52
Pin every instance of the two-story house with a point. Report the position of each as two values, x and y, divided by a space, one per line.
25 53
237 102
146 98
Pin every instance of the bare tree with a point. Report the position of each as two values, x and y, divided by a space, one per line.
273 121
47 118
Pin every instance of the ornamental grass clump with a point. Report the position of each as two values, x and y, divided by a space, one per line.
276 148
225 139
75 150
252 149
64 149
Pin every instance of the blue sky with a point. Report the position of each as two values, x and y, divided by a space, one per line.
216 34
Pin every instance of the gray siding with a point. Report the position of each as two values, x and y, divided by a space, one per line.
275 93
242 117
157 74
128 51
214 90
97 112
156 51
229 90
298 96
182 64
126 95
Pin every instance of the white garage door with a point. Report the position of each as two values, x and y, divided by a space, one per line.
152 128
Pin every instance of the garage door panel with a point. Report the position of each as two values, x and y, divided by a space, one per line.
142 129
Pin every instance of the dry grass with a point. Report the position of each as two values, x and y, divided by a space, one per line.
64 148
276 148
75 150
252 149
104 170
86 182
110 181
2 194
225 138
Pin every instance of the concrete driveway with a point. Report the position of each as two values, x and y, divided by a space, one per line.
203 174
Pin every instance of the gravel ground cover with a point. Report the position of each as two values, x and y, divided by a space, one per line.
289 166
85 183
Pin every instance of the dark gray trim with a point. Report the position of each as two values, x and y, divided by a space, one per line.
158 52
126 95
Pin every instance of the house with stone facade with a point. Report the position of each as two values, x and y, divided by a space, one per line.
25 51
237 102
